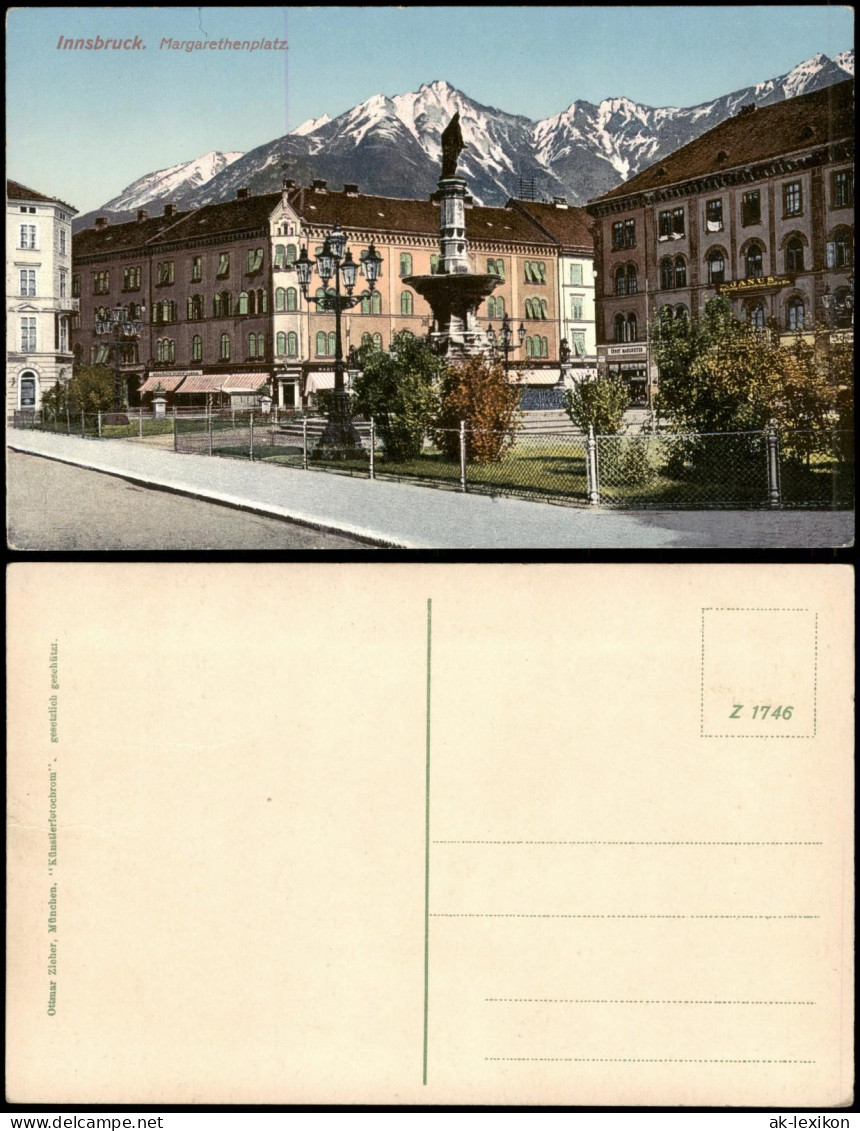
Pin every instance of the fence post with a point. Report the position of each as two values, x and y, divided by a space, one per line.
209 430
591 467
68 422
774 495
100 423
140 422
372 446
462 455
305 442
175 439
83 425
252 435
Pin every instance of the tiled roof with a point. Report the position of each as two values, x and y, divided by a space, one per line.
570 226
16 191
230 216
119 237
415 217
799 123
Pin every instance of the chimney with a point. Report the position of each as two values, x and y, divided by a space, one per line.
560 201
351 190
142 214
243 193
748 109
101 222
320 186
170 210
289 183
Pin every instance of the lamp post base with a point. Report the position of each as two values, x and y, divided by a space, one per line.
340 439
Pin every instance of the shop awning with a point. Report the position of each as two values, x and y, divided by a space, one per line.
168 381
323 379
203 383
535 377
244 382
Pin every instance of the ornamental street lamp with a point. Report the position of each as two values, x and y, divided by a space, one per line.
121 325
506 342
335 262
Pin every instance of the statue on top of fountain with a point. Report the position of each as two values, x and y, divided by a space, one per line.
452 146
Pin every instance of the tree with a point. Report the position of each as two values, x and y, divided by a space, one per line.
597 404
478 392
90 389
399 389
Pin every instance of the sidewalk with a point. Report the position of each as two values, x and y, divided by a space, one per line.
414 517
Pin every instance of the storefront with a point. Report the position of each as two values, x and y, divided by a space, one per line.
629 364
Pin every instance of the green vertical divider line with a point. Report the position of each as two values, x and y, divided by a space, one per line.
427 844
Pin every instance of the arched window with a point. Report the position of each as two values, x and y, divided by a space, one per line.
262 301
632 282
630 328
500 307
279 256
544 345
292 344
434 264
252 345
280 298
405 263
491 307
406 301
377 341
716 267
500 269
376 304
27 389
621 281
261 345
529 308
196 348
252 302
281 344
321 292
794 255
530 347
365 304
367 340
666 276
226 304
332 340
292 298
682 312
665 313
796 311
843 247
322 342
619 327
755 315
680 271
291 253
225 347
753 262
189 309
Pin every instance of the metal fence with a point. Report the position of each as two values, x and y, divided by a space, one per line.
812 468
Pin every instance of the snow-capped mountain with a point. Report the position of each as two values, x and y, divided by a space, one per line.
390 145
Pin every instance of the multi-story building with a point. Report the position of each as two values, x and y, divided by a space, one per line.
224 312
39 302
760 209
570 229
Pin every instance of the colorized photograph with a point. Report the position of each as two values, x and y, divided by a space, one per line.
430 278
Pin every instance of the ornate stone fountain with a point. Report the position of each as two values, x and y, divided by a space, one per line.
454 292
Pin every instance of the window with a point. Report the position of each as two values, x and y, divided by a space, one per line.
792 199
619 327
794 255
28 334
664 225
196 348
796 314
292 344
367 340
682 312
434 265
131 278
279 258
27 279
617 234
406 302
28 390
164 274
165 350
196 269
64 275
714 215
255 260
281 344
262 301
716 267
243 302
576 274
621 280
222 304
680 271
280 299
576 307
630 328
101 282
755 315
256 345
194 308
223 265
291 254
578 343
843 188
667 278
629 233
332 343
376 303
632 283
76 286
751 208
361 257
491 307
322 343
225 347
63 244
753 262
292 298
678 222
843 247
535 271
405 264
27 237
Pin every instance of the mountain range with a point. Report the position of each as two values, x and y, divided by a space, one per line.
391 146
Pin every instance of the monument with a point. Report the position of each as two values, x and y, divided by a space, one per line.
454 293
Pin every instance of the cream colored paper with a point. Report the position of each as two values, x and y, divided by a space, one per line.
618 893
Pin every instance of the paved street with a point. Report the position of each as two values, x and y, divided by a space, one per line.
399 514
53 506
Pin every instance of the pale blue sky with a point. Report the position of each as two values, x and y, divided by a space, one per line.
82 125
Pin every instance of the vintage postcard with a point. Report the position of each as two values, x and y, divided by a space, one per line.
525 256
406 834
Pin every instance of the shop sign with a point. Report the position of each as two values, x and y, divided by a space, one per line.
741 286
625 351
